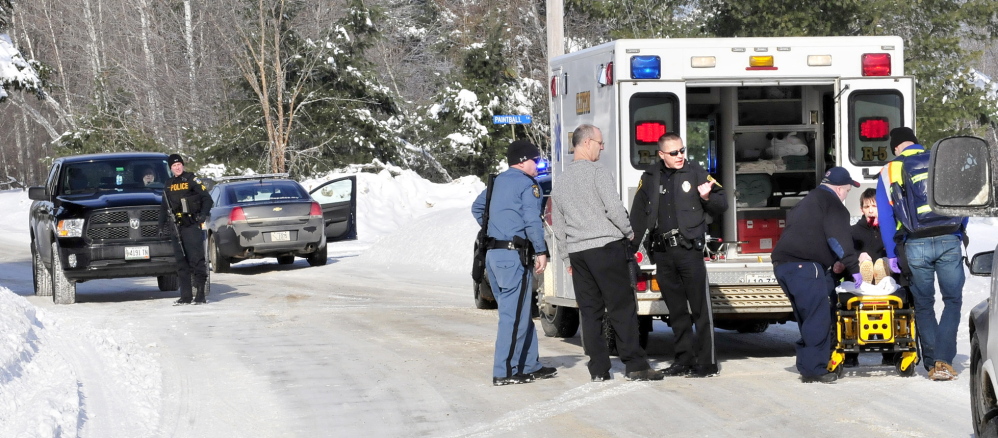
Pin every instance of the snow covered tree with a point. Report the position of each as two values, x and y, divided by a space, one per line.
16 73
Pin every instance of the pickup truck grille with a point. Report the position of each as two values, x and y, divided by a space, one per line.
113 224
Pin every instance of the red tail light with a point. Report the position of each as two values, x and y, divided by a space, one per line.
554 86
316 210
642 285
237 215
876 64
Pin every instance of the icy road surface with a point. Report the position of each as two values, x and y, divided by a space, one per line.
385 341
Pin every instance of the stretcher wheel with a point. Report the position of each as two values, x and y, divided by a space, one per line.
839 371
897 366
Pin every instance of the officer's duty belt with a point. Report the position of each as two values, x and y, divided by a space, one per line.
504 244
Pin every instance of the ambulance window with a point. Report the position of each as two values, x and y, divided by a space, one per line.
872 116
651 116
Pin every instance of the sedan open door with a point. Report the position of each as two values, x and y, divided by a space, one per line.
338 199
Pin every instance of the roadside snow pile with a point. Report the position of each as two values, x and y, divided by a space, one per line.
419 225
57 377
38 391
392 198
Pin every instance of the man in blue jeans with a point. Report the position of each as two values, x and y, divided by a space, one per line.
924 247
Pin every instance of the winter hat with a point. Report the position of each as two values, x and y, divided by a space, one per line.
175 158
901 135
838 176
520 151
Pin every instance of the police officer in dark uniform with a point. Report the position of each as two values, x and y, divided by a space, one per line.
518 251
186 202
674 201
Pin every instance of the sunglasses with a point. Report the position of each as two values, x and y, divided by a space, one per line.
674 153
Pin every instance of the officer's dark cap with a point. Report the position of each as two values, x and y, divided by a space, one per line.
520 151
175 158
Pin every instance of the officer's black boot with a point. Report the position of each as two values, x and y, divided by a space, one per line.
199 295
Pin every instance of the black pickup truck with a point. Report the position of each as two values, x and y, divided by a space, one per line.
98 217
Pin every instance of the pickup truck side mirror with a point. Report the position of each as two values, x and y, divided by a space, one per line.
961 177
980 264
37 194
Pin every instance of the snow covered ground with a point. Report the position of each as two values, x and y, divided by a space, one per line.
71 370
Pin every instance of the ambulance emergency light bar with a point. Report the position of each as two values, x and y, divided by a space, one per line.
650 66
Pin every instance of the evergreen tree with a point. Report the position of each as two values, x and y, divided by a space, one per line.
487 84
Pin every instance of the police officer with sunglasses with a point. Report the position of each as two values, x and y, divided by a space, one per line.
672 208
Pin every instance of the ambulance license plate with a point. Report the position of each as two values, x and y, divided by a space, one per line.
136 253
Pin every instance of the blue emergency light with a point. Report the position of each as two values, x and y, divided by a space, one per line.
646 67
542 166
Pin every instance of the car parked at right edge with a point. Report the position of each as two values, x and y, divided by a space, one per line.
962 182
271 215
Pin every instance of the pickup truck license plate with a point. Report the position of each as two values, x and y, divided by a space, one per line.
280 236
136 252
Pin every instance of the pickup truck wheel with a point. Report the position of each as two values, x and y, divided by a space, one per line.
42 277
559 321
483 296
319 257
285 260
63 290
218 263
168 283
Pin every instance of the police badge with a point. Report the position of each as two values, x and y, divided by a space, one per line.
537 191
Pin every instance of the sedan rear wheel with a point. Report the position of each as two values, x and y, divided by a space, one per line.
319 257
218 263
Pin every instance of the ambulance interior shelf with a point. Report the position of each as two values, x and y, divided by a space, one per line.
773 168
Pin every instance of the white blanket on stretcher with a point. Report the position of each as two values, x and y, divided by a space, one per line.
886 286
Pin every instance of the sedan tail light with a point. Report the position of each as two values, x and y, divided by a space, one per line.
237 215
316 210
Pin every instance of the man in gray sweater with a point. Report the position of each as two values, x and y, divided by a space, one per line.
592 232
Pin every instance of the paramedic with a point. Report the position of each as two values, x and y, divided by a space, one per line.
817 235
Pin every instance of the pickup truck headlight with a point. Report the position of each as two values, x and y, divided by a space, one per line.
70 228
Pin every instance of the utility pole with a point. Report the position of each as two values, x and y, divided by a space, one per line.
556 28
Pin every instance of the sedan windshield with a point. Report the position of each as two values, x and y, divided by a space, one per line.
266 191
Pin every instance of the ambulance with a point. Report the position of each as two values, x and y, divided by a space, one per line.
765 116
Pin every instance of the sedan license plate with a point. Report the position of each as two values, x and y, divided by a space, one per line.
280 236
136 253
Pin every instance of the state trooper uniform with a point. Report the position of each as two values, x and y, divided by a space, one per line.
187 203
516 234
